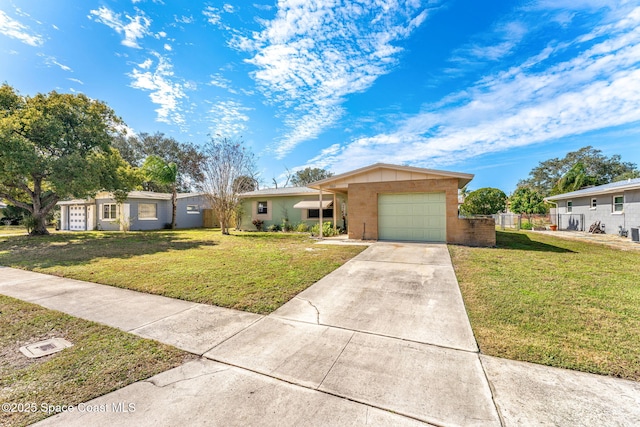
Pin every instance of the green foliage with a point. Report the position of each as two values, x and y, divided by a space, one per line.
302 227
187 157
160 171
527 201
274 227
309 175
484 201
13 214
164 173
287 226
526 225
57 146
576 178
29 223
327 230
597 168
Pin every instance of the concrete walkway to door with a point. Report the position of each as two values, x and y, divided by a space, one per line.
383 340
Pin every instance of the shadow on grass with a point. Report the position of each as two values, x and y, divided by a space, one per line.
81 248
521 241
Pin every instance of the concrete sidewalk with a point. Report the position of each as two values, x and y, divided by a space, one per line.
383 340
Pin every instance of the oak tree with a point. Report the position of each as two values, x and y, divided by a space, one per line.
55 146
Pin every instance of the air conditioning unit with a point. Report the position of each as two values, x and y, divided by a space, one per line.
635 235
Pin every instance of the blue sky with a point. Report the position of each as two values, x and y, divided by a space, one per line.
489 88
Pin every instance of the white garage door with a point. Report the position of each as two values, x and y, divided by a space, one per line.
412 217
77 218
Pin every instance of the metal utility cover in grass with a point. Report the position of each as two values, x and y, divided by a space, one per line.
45 348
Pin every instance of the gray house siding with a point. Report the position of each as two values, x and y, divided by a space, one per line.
604 211
185 218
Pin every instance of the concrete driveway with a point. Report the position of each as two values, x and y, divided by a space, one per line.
388 329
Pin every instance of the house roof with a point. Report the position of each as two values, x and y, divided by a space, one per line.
148 195
286 191
388 172
614 187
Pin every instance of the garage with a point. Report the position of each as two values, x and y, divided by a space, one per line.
77 218
412 217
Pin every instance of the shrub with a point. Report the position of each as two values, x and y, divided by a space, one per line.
287 226
526 226
327 230
29 223
258 223
302 227
274 228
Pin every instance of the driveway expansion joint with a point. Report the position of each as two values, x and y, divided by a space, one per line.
231 336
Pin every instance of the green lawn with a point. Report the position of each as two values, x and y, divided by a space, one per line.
102 359
12 229
556 302
255 272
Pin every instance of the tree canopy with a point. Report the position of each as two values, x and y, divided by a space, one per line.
594 169
484 201
187 158
226 161
528 201
55 146
158 171
308 175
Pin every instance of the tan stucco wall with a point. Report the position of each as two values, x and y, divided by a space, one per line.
363 210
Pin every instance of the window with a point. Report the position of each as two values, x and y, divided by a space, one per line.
193 209
315 213
262 208
569 206
618 203
147 211
109 211
594 203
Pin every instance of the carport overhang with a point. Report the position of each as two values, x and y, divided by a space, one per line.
382 173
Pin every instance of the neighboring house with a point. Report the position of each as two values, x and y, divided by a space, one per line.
614 205
378 202
2 206
143 210
295 204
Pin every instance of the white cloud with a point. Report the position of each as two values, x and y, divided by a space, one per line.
80 82
312 55
136 28
51 61
165 91
598 88
16 30
183 19
228 118
168 47
219 81
146 64
212 14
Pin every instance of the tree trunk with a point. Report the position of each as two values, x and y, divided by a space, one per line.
40 224
174 202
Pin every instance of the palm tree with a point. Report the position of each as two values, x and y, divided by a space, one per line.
161 172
